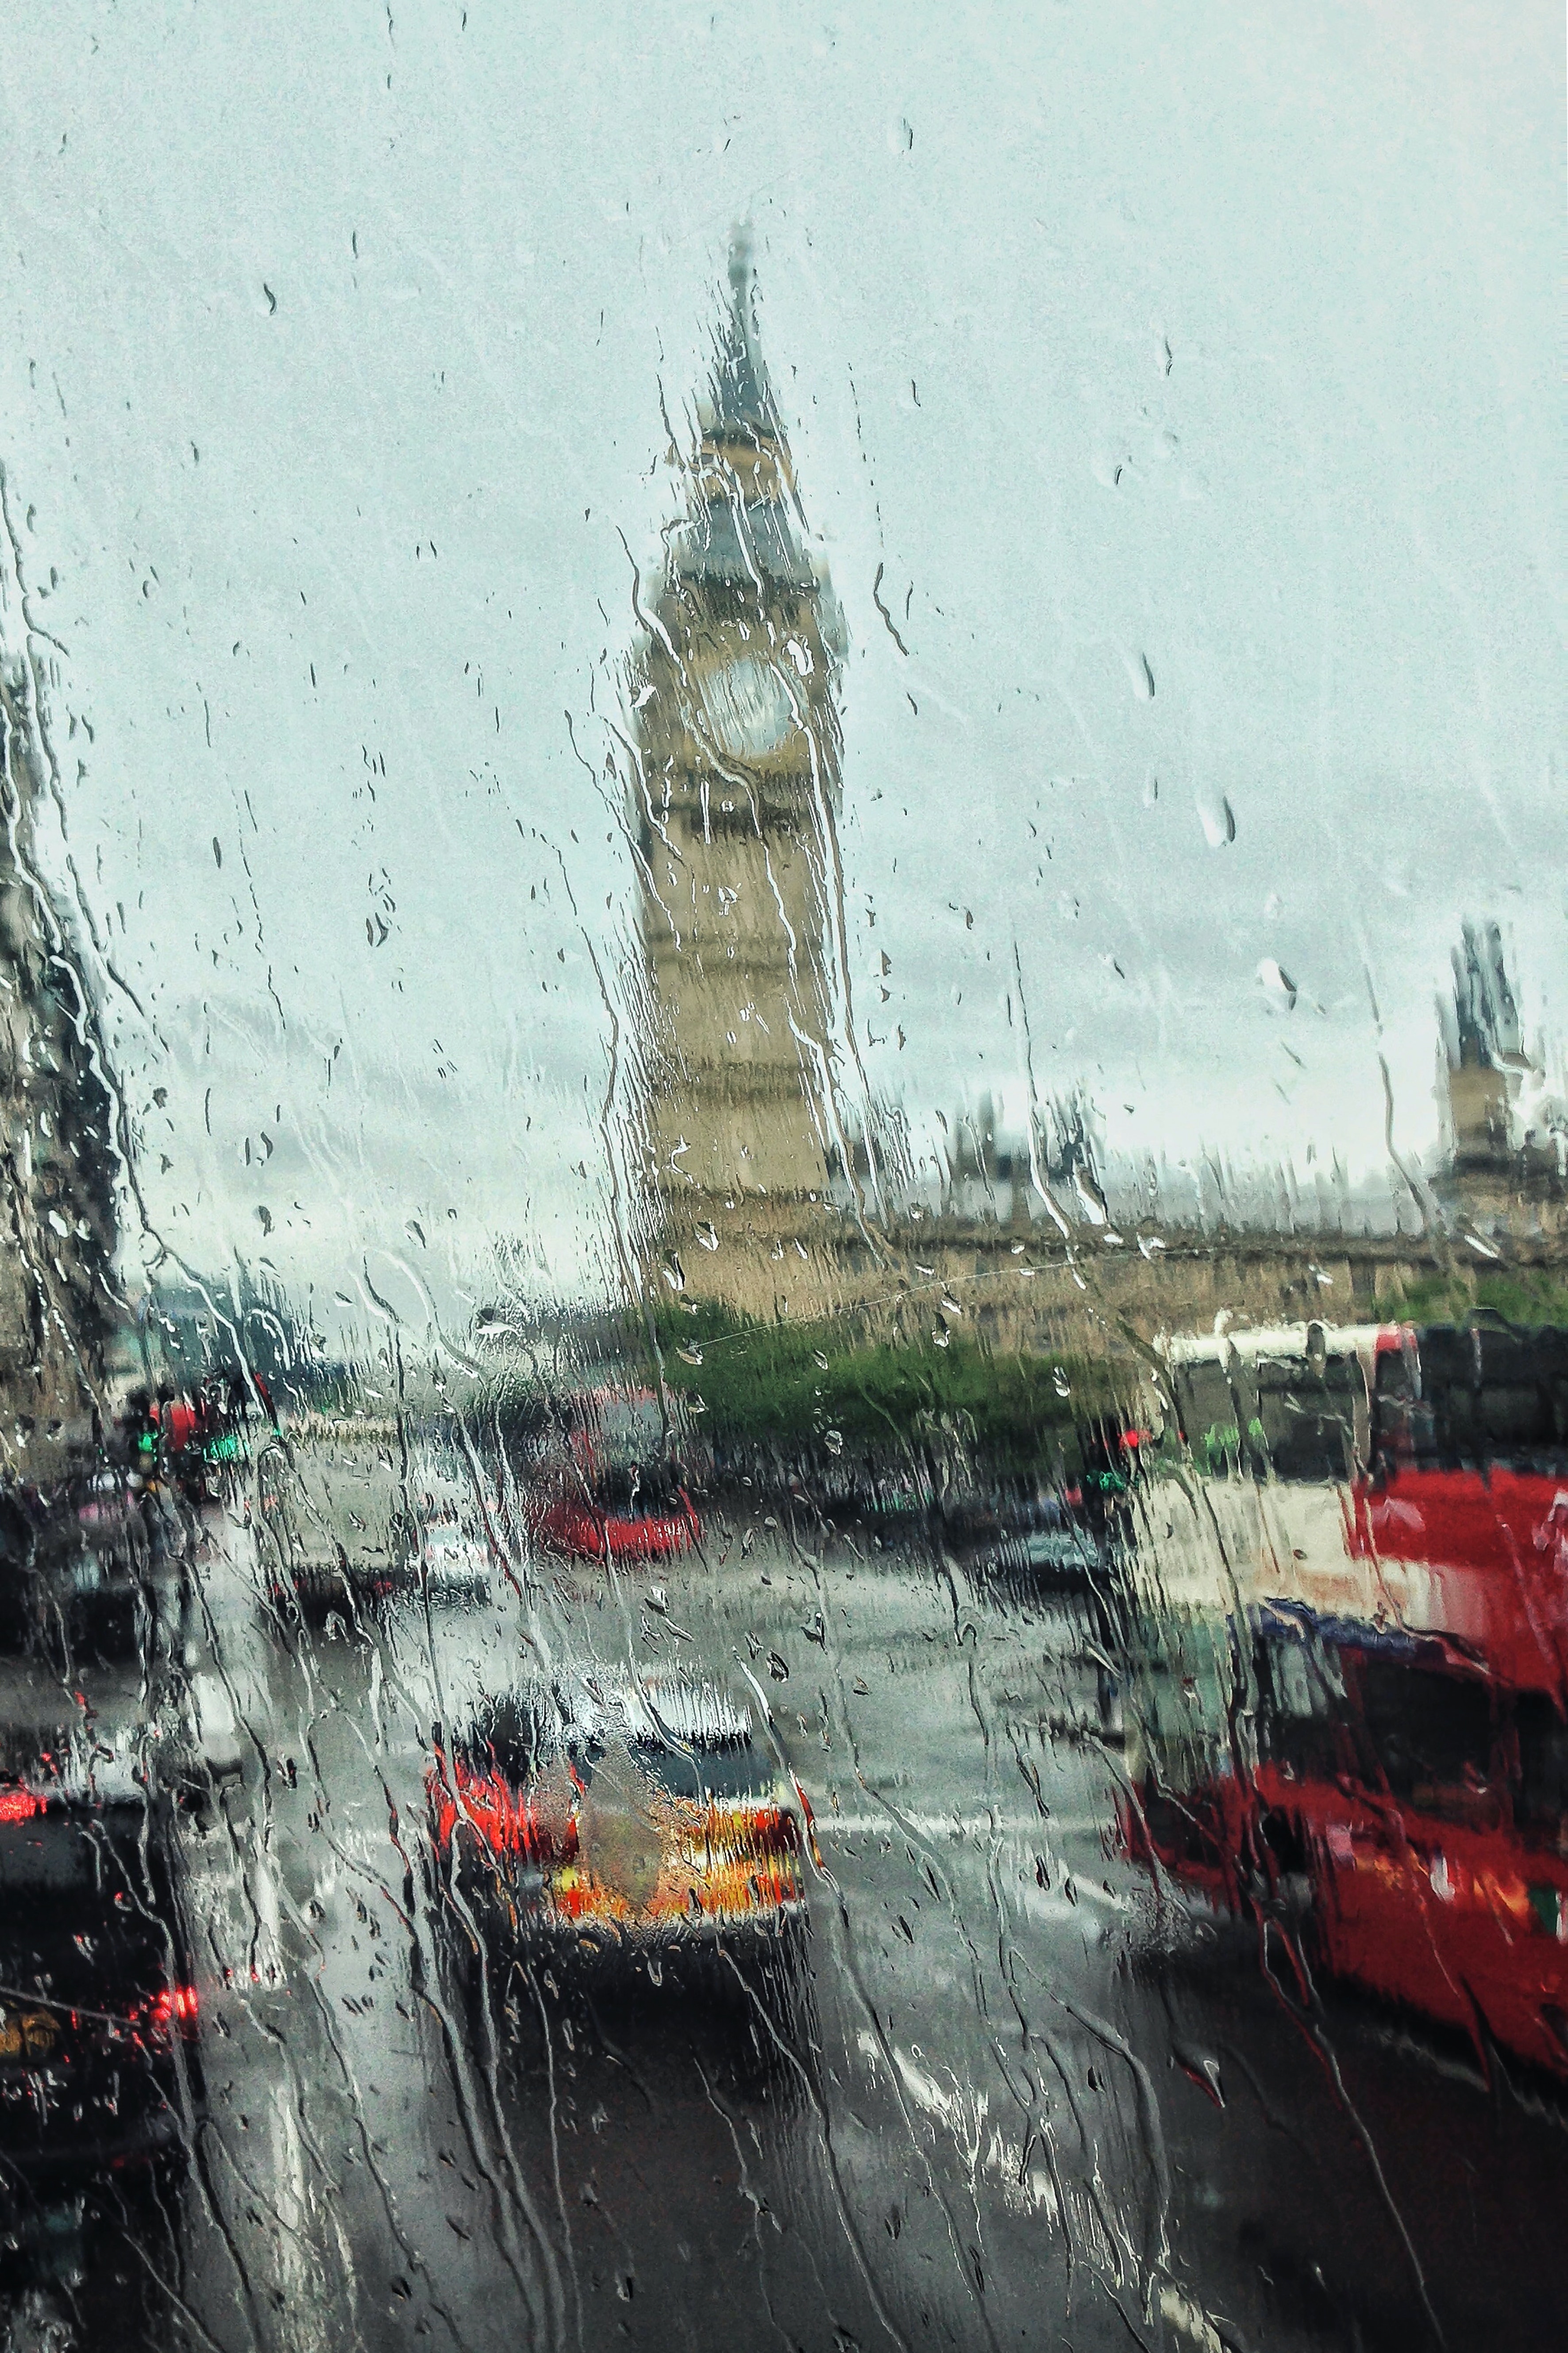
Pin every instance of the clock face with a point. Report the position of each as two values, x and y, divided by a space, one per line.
747 707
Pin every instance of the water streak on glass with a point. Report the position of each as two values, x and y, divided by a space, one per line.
784 1336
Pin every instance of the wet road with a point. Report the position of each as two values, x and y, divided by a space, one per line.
1031 2100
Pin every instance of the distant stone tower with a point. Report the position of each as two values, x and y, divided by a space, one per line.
1485 1057
735 802
57 1303
1503 1131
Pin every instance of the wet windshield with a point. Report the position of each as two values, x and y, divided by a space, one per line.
784 1157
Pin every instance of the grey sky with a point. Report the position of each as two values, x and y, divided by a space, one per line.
1207 346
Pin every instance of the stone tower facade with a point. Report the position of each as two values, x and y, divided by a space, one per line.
1505 1134
735 802
1485 1057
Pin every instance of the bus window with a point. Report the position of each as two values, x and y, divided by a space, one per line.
1302 1725
1308 1418
1523 1393
1541 1803
1212 1414
1469 1398
1402 1428
1431 1734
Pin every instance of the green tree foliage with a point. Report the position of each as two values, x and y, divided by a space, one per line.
1525 1296
796 1385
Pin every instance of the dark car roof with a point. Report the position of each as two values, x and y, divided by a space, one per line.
671 1713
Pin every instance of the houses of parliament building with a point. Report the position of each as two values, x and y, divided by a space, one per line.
757 1192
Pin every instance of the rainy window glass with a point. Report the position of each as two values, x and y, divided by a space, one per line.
784 1155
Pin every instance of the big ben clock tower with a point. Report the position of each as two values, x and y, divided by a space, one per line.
735 812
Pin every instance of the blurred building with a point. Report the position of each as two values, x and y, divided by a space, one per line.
185 1331
735 802
1486 1061
1503 1128
57 1300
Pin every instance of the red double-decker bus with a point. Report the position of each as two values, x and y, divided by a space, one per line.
1379 1751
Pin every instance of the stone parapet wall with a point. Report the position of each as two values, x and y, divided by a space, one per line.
1035 1292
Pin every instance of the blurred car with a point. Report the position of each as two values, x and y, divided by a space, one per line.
99 2010
442 1541
447 1557
584 1529
330 1533
608 1474
91 1568
1064 1558
638 1823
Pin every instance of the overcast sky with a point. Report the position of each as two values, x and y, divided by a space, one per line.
1210 350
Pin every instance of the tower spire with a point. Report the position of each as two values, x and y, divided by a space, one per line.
744 402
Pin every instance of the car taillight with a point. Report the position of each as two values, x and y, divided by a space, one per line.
775 1831
176 2006
507 1823
19 1805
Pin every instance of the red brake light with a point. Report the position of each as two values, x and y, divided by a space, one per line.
175 2006
505 1819
19 1805
771 1830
